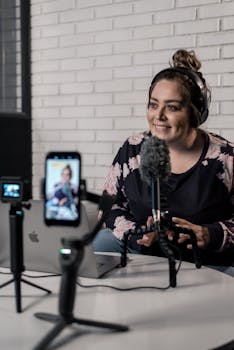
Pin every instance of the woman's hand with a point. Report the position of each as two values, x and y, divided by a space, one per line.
63 201
201 232
148 238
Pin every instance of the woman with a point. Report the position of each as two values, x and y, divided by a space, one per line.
199 190
65 191
62 199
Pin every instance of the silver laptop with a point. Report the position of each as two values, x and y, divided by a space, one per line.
42 243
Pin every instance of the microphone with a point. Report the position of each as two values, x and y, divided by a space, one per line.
155 160
155 166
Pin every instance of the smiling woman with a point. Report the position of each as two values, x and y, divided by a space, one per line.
168 111
199 190
169 119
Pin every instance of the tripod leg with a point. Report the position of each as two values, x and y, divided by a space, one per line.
18 293
47 317
6 283
36 286
51 335
113 326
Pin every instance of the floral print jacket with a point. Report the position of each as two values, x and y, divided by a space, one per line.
203 195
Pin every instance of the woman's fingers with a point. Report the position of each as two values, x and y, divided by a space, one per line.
150 221
201 233
170 234
147 239
183 237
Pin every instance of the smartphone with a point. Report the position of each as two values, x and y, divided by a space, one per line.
62 188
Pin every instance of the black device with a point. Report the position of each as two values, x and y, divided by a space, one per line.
11 189
202 97
16 150
15 190
62 188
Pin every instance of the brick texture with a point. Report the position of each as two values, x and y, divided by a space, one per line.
93 60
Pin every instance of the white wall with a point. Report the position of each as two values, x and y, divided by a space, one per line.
93 60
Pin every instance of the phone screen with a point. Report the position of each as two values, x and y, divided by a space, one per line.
62 188
11 191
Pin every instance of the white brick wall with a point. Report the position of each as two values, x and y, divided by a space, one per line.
92 61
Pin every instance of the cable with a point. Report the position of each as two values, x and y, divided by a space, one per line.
99 285
105 285
133 288
121 289
41 276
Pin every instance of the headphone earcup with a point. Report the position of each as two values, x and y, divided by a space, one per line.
204 116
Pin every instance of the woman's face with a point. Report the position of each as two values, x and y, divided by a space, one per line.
168 112
66 176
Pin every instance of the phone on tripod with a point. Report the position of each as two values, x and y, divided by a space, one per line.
62 188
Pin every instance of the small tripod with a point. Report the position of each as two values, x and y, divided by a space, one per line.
16 251
71 256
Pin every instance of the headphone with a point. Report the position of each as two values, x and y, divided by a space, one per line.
202 101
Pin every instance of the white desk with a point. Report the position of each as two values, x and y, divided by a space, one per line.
197 315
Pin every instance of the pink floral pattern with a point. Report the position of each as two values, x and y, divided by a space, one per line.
205 162
228 235
134 162
126 170
122 225
213 151
135 139
220 141
227 175
111 181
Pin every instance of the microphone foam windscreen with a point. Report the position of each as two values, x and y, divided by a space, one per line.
155 160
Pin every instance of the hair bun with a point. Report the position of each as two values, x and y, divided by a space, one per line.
186 59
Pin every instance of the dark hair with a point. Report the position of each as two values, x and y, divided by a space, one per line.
68 167
184 68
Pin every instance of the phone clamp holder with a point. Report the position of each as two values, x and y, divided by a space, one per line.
16 216
140 231
163 244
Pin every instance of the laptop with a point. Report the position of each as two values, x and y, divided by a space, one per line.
42 243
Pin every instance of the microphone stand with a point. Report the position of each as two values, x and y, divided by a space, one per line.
71 256
159 229
16 216
140 231
193 240
137 231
